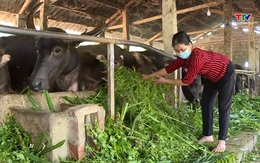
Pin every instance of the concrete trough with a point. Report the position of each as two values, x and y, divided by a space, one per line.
68 123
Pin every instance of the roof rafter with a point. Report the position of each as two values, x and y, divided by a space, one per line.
211 4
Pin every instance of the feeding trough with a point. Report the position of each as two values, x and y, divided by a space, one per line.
66 124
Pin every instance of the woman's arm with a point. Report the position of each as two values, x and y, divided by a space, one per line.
160 72
162 80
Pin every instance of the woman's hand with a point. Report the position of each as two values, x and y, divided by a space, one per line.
159 80
145 77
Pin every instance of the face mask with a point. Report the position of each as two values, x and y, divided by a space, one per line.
184 55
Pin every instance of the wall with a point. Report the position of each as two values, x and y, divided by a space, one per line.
215 43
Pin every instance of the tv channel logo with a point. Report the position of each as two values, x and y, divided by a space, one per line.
243 17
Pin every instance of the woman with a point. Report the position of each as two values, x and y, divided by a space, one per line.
218 72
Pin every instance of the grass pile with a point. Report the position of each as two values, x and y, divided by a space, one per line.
149 129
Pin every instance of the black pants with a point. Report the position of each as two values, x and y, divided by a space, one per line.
224 88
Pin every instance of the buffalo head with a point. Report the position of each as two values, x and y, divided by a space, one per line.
56 61
57 65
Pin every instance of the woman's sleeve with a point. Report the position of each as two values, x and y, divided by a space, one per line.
177 63
196 64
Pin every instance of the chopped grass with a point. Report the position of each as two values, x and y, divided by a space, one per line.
149 129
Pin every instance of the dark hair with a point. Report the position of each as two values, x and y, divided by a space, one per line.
180 38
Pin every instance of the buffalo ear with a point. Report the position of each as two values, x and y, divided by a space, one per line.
139 58
101 57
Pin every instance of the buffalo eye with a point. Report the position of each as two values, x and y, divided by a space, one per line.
57 50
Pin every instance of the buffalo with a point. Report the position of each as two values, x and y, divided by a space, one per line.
243 81
28 53
93 70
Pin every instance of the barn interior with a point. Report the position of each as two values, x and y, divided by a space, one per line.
230 27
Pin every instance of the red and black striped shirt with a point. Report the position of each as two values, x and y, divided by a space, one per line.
210 65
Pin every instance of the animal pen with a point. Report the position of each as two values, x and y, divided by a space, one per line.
67 124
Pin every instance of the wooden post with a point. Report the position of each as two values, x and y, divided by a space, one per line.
111 84
21 20
125 27
251 49
251 44
169 27
227 7
43 15
21 17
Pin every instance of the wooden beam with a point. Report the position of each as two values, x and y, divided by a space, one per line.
182 11
152 38
111 79
251 44
125 27
147 20
25 6
183 19
118 13
115 27
21 20
211 4
43 15
169 27
227 8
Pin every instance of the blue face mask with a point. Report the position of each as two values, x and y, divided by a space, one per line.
184 55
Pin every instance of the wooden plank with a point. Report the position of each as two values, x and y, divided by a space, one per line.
111 82
227 8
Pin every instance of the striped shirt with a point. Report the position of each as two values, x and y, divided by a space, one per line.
210 65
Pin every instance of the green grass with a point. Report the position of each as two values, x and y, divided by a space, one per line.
146 128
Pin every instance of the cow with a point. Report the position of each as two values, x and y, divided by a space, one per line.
4 74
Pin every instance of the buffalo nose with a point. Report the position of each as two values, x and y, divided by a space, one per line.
36 85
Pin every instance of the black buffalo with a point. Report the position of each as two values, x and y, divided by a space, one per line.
56 68
243 81
24 51
93 70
